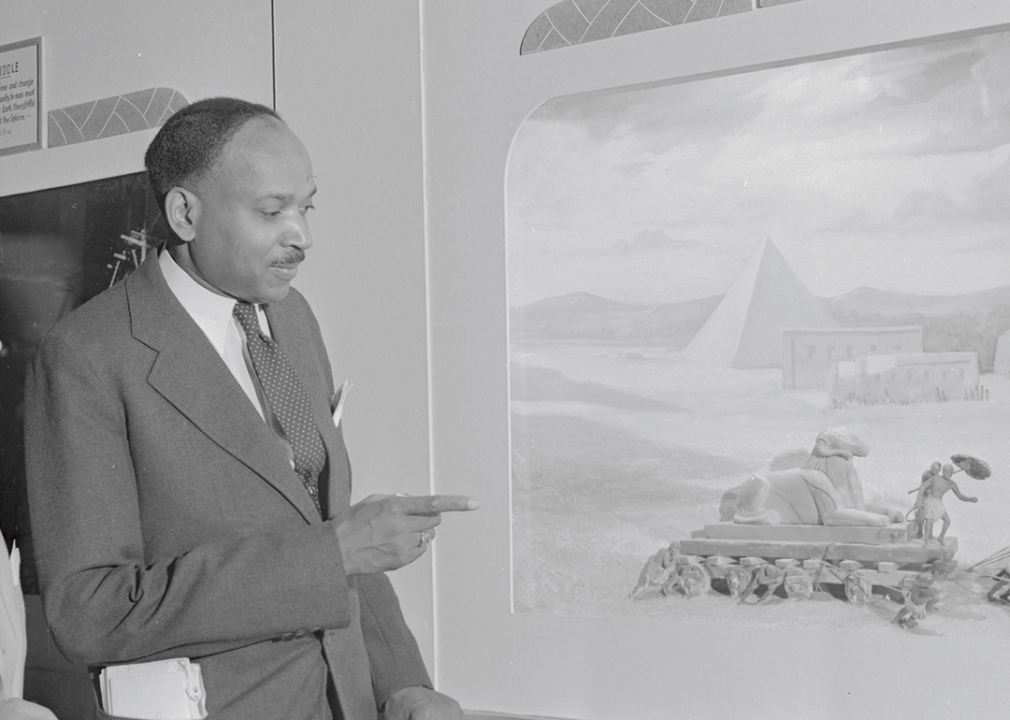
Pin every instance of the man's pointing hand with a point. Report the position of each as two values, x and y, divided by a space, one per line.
386 532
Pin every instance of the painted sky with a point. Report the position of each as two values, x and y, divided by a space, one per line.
888 170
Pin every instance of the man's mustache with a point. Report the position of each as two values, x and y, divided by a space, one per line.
292 257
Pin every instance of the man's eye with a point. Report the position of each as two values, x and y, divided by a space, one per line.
270 213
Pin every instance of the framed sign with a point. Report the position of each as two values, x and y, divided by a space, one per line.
21 96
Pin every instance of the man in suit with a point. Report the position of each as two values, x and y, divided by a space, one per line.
181 508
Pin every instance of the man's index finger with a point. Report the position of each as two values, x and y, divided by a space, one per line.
437 504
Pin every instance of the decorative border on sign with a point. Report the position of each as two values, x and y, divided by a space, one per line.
572 22
115 115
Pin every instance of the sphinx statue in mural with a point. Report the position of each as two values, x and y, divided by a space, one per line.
825 491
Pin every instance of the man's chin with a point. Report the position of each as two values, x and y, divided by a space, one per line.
278 283
278 293
271 292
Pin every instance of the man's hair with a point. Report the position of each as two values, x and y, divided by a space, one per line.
191 141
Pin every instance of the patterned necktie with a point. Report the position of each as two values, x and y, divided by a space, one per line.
288 400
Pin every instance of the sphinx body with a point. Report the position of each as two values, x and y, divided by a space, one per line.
825 491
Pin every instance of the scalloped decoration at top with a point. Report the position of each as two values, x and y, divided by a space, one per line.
572 22
114 115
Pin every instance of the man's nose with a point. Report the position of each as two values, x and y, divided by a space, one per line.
298 234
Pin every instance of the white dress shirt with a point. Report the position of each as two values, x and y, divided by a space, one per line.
213 314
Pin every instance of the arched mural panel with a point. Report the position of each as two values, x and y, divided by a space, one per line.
725 279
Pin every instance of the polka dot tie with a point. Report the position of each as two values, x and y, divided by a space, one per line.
288 400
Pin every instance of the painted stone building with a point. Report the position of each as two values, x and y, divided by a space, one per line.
809 354
913 377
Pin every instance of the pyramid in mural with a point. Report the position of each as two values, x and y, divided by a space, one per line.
1001 363
745 329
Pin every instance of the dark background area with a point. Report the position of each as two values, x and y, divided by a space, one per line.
58 248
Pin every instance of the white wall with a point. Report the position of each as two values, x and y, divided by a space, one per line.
348 83
94 49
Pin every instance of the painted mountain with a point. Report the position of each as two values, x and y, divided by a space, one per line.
585 317
740 329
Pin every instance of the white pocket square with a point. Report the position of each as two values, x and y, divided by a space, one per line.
337 402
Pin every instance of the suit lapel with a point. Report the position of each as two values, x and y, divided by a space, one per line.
292 333
191 376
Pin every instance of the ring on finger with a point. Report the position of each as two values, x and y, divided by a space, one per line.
425 538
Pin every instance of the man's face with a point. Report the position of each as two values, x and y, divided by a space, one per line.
249 218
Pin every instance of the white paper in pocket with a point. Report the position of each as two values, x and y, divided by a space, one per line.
162 690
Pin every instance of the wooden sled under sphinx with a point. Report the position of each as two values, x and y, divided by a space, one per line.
759 562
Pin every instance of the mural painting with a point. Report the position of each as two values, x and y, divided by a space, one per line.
760 346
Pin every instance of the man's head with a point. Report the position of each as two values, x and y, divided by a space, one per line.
235 184
190 142
935 468
948 471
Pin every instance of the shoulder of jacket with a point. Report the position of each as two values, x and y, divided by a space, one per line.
96 321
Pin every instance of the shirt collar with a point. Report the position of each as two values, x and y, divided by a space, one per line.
211 312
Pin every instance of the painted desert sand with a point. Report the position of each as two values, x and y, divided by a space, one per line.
619 451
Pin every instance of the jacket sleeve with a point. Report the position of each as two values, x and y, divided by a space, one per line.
392 650
107 599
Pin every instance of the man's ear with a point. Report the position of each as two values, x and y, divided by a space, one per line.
182 208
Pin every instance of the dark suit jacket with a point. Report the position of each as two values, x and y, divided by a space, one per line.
168 523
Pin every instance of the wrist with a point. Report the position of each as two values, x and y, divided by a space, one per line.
346 558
